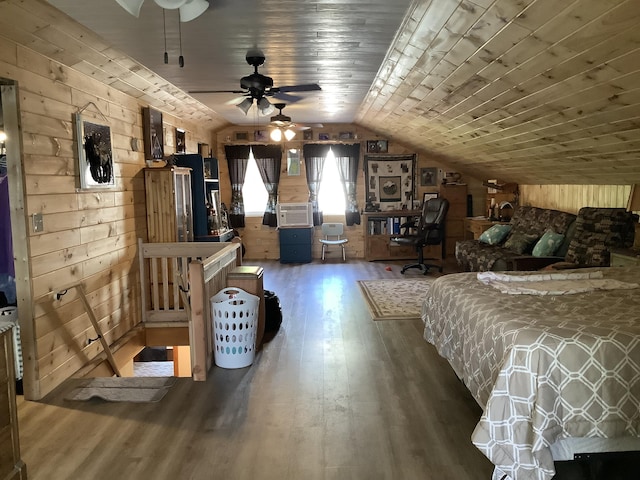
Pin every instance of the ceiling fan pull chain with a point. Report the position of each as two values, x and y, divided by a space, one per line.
180 58
164 27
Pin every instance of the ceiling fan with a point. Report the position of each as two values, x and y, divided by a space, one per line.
283 126
257 87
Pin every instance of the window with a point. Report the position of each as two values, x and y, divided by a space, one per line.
331 199
254 193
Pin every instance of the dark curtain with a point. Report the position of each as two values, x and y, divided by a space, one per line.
237 160
314 157
348 158
269 158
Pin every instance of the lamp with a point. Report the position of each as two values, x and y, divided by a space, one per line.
633 205
131 6
245 105
192 9
170 4
189 9
276 135
265 107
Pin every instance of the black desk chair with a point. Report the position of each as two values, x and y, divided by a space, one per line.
428 231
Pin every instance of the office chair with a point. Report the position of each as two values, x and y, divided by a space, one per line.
332 235
429 231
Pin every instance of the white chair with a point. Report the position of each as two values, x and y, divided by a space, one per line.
332 235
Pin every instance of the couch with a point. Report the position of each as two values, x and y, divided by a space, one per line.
582 240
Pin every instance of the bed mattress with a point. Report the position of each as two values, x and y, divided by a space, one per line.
543 368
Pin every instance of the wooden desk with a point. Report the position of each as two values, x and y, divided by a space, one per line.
474 226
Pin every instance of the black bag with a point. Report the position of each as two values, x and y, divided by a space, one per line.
273 312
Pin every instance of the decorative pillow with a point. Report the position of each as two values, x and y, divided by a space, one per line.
548 244
520 242
495 234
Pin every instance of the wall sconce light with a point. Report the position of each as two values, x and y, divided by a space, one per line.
3 140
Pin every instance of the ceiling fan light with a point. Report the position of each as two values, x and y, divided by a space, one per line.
276 134
265 106
170 4
245 105
289 134
193 9
131 6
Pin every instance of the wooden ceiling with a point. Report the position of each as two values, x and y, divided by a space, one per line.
531 91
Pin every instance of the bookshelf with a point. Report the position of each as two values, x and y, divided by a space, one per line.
379 227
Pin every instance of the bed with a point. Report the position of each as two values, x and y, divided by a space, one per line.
555 374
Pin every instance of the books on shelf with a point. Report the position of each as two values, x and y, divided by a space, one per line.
385 225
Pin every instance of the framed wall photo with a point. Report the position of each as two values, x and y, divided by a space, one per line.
377 146
242 136
307 134
181 141
260 136
323 136
95 156
428 177
204 150
153 134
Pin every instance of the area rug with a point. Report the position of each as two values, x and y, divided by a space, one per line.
121 389
395 299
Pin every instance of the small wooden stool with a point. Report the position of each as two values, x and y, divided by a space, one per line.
250 279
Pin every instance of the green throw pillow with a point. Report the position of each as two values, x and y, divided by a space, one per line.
520 242
495 234
548 244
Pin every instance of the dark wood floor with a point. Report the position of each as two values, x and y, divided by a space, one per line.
334 395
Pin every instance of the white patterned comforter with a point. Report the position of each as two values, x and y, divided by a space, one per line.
542 367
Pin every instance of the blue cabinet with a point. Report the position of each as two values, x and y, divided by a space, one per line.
295 245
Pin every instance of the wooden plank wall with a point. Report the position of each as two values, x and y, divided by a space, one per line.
88 236
570 198
261 242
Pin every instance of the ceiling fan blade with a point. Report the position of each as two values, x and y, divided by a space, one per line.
217 91
310 87
236 100
286 97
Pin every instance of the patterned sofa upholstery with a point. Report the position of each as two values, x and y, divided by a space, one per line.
588 240
475 256
598 230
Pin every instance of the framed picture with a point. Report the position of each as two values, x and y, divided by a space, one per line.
377 146
323 136
429 196
307 134
181 142
345 135
428 177
95 156
210 169
389 181
153 134
204 150
260 136
293 162
242 136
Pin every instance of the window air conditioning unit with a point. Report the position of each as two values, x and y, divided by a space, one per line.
294 215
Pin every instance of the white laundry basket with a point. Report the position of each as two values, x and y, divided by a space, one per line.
235 321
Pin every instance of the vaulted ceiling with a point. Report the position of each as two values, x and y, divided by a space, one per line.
531 91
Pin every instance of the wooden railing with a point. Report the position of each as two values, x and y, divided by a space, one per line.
178 281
